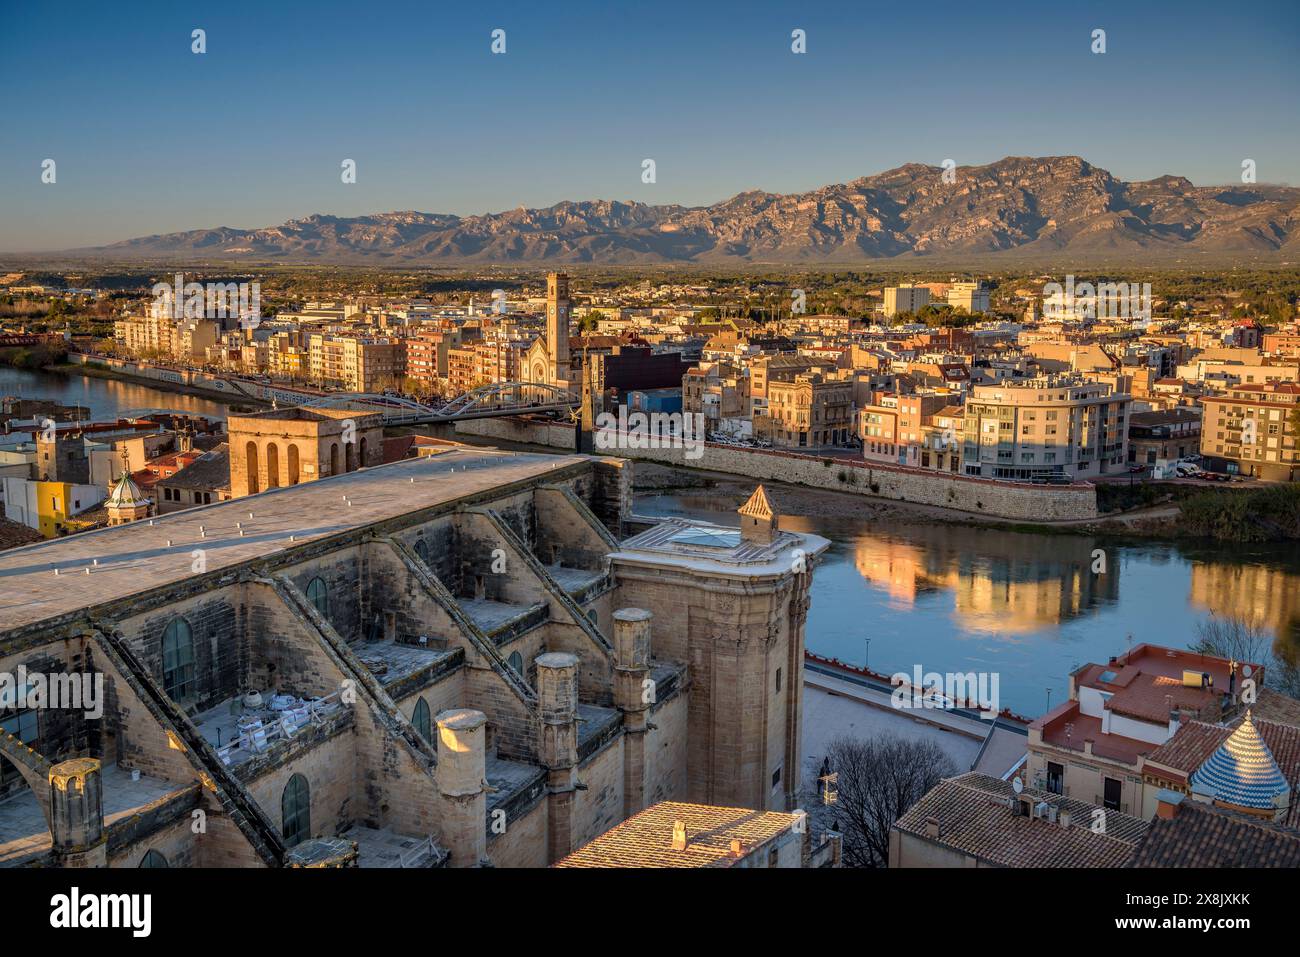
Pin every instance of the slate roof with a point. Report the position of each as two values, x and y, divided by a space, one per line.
211 471
976 817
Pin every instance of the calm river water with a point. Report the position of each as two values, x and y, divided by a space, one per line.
1026 606
104 397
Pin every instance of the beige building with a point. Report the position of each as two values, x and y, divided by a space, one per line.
812 411
354 364
283 447
1254 430
1058 427
972 297
446 661
905 298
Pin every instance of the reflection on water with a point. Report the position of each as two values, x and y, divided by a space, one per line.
104 397
958 598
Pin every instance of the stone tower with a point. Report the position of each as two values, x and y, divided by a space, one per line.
558 309
758 522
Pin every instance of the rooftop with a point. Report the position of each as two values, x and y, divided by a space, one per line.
117 562
646 839
976 816
1199 835
717 549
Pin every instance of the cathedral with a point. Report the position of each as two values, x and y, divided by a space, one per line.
476 658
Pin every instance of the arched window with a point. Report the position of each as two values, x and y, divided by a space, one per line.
250 467
272 466
178 659
420 719
293 464
318 594
295 810
350 454
362 463
422 549
591 615
516 662
153 859
334 458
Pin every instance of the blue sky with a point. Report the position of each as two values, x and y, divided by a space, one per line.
149 137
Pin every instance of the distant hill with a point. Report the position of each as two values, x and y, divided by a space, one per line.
1030 208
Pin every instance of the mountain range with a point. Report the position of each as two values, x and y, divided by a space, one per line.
1022 207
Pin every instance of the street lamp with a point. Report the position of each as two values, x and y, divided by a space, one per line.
866 664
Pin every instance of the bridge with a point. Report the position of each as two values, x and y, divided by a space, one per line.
489 401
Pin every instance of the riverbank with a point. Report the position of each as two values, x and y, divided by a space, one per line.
98 371
1164 519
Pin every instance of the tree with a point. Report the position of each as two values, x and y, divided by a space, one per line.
1244 639
875 781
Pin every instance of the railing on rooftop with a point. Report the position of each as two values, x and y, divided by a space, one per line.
256 740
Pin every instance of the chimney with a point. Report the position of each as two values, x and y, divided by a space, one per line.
1168 804
679 835
932 829
1065 818
1087 745
737 848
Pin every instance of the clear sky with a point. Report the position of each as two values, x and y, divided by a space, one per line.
149 137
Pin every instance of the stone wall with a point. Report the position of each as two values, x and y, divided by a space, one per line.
521 428
1008 500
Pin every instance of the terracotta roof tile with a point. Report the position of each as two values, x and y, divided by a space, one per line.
1203 836
975 817
646 839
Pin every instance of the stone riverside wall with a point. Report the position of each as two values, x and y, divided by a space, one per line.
520 428
1030 503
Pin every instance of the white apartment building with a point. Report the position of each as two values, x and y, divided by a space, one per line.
971 296
1052 428
905 298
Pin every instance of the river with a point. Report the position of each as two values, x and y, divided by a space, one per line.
947 597
105 398
957 598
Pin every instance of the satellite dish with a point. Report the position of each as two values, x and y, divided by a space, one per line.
1017 785
1246 671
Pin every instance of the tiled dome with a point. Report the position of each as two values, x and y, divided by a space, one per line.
1242 771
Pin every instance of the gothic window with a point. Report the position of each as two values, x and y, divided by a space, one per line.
178 659
295 810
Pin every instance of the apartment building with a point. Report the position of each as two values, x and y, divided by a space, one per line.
427 355
768 368
1163 436
357 365
1254 430
1057 428
905 298
893 426
973 297
164 336
716 390
813 411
